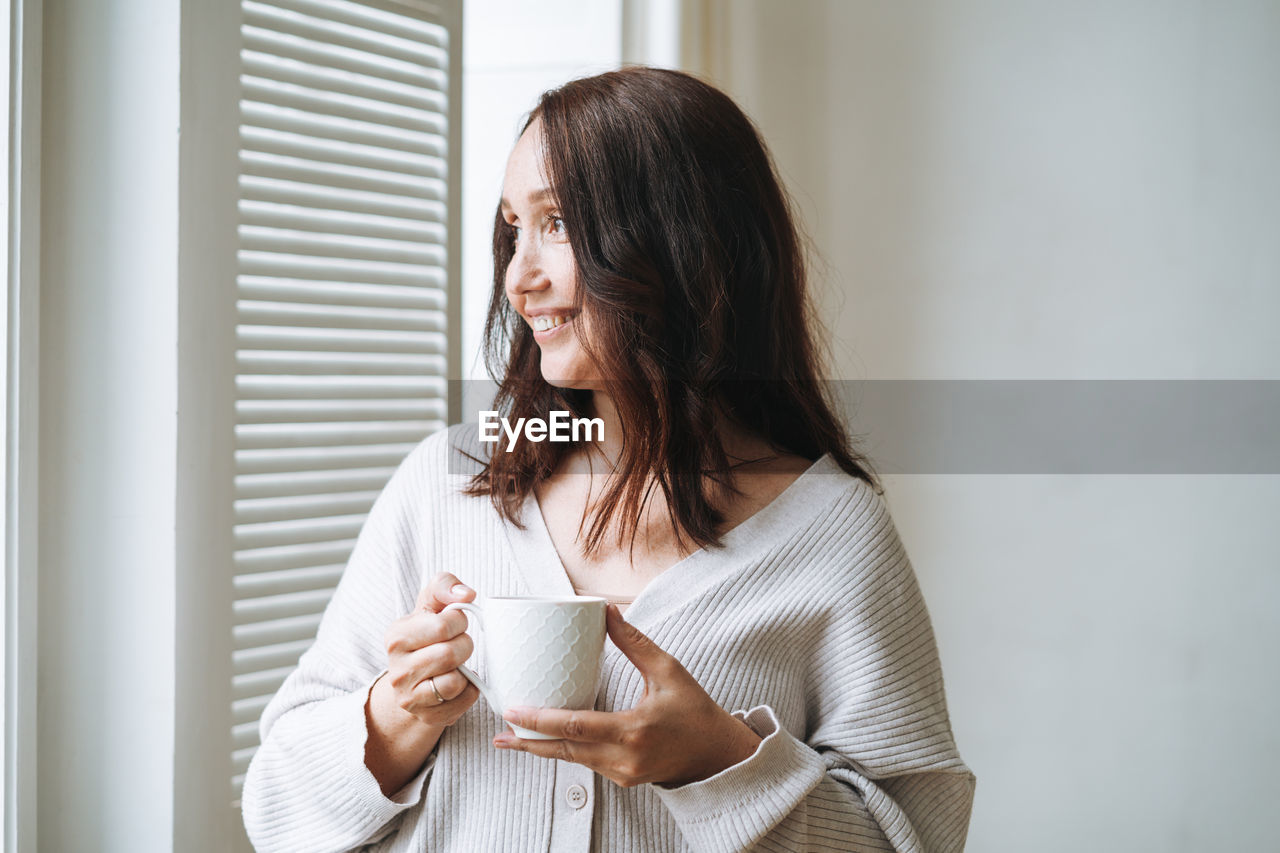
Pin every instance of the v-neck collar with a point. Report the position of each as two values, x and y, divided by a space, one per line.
807 496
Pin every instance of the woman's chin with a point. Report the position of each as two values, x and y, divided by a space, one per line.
577 384
562 379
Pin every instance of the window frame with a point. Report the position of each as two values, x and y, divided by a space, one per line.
21 422
198 707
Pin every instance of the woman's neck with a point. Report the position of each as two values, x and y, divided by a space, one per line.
765 473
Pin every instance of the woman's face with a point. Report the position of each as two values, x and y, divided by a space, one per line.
542 276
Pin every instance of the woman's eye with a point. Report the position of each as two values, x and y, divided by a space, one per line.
554 224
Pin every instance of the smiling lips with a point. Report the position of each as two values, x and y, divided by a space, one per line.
546 325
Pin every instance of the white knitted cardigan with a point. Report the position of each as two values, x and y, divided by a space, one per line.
808 624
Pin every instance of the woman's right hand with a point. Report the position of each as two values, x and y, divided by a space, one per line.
403 715
425 647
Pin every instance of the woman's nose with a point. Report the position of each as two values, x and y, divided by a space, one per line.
525 273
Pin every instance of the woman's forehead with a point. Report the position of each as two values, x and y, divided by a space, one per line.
525 181
532 198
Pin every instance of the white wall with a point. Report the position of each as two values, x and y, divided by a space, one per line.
108 445
512 52
1007 189
1010 189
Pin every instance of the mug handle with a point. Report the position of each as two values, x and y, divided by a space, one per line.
476 615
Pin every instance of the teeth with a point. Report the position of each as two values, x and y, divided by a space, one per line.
543 323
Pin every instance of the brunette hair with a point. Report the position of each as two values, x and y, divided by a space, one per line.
691 272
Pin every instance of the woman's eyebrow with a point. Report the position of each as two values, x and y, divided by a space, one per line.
535 197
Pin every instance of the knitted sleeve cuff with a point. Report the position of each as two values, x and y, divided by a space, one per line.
365 785
735 808
310 781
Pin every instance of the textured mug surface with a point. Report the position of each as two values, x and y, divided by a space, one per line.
539 652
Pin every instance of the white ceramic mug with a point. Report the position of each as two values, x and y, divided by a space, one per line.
541 652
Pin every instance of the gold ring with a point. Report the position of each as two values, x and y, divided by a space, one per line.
435 690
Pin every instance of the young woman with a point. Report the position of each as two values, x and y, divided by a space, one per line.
772 681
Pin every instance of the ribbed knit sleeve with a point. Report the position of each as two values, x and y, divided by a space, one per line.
307 787
879 770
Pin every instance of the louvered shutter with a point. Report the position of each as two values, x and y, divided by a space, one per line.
348 195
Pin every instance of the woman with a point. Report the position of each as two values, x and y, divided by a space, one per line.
776 683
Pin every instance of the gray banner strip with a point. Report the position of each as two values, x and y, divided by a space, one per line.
1067 426
1051 426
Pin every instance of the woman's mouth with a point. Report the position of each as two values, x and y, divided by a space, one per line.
547 326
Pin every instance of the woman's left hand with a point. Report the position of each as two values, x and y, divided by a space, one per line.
676 734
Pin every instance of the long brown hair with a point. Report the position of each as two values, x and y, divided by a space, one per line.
690 269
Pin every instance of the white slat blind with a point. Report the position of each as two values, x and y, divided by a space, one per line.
341 328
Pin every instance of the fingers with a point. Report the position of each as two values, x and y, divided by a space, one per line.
408 671
451 685
458 694
424 628
423 646
643 652
424 650
442 590
415 688
438 658
596 756
605 759
583 726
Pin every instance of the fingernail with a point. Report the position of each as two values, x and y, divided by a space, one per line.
514 715
460 589
503 741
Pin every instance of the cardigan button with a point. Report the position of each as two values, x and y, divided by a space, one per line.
576 795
